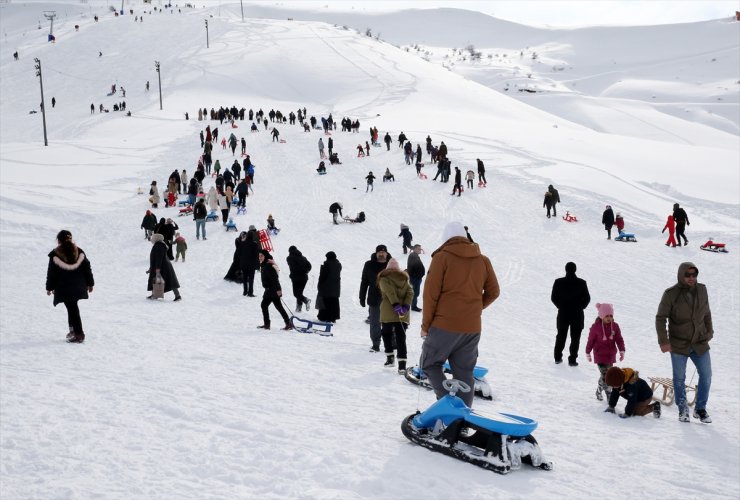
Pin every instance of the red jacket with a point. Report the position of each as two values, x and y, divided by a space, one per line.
670 225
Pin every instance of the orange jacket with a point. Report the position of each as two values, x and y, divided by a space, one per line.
460 283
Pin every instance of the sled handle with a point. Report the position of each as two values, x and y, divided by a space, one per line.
453 386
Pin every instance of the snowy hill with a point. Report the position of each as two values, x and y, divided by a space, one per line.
190 400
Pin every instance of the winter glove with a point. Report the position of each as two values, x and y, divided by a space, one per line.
609 409
398 309
589 358
405 309
621 355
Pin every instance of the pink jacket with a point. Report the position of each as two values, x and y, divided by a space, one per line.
604 340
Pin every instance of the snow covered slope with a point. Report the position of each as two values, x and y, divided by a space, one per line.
190 400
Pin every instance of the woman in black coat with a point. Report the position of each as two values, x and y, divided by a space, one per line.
329 288
70 279
160 264
273 290
607 218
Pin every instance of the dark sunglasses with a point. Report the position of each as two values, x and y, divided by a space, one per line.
691 275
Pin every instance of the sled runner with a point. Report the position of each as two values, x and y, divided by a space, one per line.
415 375
185 211
212 215
711 246
668 395
569 218
241 211
265 241
311 326
626 237
499 442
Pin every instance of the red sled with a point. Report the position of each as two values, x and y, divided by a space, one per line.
712 246
185 211
482 184
569 218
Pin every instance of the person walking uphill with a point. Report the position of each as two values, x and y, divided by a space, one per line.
604 339
415 268
273 291
161 267
682 220
329 285
248 250
607 218
570 295
69 278
370 294
299 268
407 238
685 307
670 225
395 305
459 285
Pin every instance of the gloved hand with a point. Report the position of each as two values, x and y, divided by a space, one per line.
588 357
621 355
609 409
623 415
398 309
405 309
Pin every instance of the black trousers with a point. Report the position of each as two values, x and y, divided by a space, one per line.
576 327
388 330
248 280
73 316
298 286
266 301
680 228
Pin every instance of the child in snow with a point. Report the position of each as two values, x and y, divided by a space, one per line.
181 246
369 178
388 176
619 222
470 177
670 225
360 151
604 339
271 225
396 296
407 237
627 383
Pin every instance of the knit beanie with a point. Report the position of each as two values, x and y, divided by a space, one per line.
605 310
393 264
614 377
453 229
381 248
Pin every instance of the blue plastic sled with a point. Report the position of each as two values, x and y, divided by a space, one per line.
499 442
310 326
626 237
230 225
183 203
212 216
416 375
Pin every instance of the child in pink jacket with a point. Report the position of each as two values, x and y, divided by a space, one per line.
604 339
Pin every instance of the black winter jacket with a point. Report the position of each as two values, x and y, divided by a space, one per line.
270 280
570 295
298 264
68 280
329 285
158 260
248 251
369 291
634 391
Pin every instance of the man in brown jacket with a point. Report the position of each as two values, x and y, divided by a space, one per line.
685 306
459 285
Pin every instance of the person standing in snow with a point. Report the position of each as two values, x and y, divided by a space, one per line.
248 251
460 284
148 223
273 291
415 268
670 225
607 218
154 194
275 135
387 139
604 339
199 216
481 172
619 222
685 308
329 145
407 237
181 247
555 199
470 178
329 289
69 278
570 295
161 267
396 296
458 182
321 148
299 268
369 178
682 220
370 294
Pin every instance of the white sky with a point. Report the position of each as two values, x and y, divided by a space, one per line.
552 12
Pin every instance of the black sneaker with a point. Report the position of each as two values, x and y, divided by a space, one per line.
703 416
416 309
558 361
656 409
572 363
390 360
178 298
264 327
374 348
308 304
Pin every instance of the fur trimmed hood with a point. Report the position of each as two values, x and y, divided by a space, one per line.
61 261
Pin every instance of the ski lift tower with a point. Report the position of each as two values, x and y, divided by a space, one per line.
50 15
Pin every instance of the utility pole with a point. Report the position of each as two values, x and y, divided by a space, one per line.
159 77
207 43
43 108
241 2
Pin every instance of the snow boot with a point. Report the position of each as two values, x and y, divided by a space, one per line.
77 338
401 366
264 327
683 415
308 304
298 306
599 393
375 348
703 416
71 334
287 327
390 360
656 409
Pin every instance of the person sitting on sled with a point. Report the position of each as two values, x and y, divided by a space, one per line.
334 159
271 224
322 168
626 382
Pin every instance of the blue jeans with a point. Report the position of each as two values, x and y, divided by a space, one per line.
703 365
416 285
200 224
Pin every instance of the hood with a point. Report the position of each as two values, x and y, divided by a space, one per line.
397 276
682 268
459 246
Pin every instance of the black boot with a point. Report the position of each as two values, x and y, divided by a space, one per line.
390 360
401 366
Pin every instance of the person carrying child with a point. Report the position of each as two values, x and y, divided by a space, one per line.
604 339
181 246
626 382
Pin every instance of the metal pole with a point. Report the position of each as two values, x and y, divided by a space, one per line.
159 77
241 2
207 42
121 7
43 108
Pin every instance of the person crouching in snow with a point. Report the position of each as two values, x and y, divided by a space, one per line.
627 383
397 295
181 247
604 339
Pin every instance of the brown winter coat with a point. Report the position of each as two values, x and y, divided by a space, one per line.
687 312
394 289
460 283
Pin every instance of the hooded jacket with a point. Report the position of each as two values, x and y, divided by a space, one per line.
330 278
394 289
604 339
68 279
298 264
270 279
634 390
460 283
686 309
